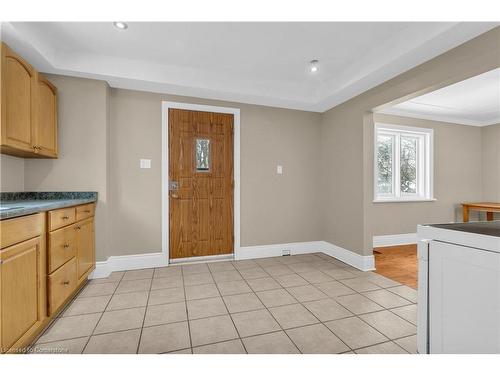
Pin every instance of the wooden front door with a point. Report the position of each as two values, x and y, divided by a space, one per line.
200 183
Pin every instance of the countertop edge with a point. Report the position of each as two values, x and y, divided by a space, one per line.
43 207
474 240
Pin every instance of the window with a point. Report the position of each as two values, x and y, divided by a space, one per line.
403 163
202 150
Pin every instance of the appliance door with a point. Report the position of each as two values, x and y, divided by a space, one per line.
422 311
464 299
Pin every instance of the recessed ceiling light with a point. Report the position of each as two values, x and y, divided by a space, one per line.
313 66
120 25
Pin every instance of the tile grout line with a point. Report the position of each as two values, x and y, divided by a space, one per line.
324 322
254 292
102 314
211 272
270 313
60 316
297 301
356 315
399 338
376 329
225 305
359 317
319 320
187 312
216 342
145 313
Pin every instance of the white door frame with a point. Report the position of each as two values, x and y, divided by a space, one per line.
165 106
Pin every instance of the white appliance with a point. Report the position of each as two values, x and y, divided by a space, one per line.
459 288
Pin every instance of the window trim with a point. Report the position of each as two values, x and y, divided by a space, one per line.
425 178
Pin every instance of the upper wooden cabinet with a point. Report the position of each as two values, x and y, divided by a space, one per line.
28 109
18 83
45 117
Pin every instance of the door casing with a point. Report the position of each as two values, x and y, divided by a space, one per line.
165 225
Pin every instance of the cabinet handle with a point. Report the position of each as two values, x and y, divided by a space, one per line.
78 228
87 211
66 245
65 282
65 217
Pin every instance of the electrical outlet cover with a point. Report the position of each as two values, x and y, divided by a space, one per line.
145 163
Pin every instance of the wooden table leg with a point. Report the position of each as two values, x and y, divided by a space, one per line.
489 216
466 214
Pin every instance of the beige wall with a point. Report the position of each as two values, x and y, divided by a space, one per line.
347 192
325 193
457 178
104 132
491 164
342 178
11 173
83 136
274 209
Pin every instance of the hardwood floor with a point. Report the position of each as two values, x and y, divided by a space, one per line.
398 263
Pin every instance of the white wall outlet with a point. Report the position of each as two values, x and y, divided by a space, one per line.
285 252
145 163
279 169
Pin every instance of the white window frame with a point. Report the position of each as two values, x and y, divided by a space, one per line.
425 165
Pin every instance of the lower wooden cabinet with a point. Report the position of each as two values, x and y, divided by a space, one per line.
62 283
85 253
62 247
71 252
40 271
22 285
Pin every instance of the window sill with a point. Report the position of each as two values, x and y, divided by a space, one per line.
403 200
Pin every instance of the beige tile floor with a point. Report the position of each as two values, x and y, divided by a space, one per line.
297 304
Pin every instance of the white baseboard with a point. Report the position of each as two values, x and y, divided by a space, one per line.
152 260
128 262
361 262
276 250
395 240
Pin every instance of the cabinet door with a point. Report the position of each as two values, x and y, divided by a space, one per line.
46 117
18 79
85 246
61 284
464 300
22 295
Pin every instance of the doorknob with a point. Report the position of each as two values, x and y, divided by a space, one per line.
173 187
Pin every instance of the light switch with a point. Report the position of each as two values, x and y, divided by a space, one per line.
279 169
145 163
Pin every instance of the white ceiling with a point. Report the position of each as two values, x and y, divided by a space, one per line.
475 101
258 63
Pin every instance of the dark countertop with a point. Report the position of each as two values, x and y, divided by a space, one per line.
26 203
489 228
